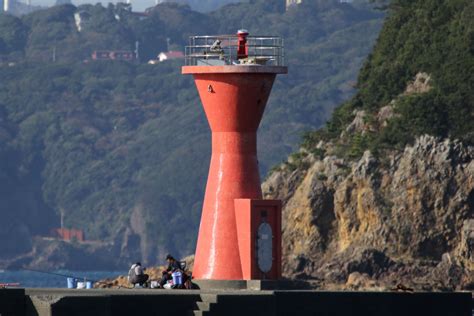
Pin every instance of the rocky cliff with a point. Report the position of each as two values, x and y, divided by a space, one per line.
403 218
383 195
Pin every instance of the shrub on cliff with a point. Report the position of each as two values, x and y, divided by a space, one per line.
430 36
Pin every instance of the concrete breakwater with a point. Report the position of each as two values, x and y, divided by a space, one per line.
58 302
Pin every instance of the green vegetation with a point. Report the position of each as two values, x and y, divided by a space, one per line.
434 37
110 143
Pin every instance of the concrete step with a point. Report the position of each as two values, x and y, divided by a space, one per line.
204 306
209 298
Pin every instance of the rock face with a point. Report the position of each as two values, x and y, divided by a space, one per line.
421 84
405 218
52 254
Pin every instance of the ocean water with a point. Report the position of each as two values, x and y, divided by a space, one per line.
28 279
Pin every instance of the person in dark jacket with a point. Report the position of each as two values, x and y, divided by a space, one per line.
173 265
136 275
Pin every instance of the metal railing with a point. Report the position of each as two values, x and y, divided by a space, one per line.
223 50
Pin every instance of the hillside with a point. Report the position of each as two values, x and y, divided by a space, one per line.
384 193
206 5
121 149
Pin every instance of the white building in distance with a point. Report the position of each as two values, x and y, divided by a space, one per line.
290 3
6 5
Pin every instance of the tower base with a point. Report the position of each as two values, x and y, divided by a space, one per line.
254 285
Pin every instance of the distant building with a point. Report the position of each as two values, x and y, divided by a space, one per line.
7 5
157 2
122 55
290 3
82 18
18 8
68 234
170 55
101 55
126 55
141 15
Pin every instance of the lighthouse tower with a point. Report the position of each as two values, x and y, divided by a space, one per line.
240 233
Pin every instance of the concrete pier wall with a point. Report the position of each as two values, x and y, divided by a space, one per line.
54 302
12 302
57 302
372 303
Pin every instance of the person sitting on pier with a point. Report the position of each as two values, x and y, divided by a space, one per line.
173 265
136 275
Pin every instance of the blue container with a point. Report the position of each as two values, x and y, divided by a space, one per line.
177 278
89 285
71 283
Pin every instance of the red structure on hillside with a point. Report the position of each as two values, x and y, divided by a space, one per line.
240 234
113 55
68 234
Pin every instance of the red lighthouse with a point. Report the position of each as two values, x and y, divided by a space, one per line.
240 234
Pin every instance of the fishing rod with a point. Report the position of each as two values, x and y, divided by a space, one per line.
72 276
54 273
63 275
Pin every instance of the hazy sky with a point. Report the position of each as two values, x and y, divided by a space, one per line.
138 5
